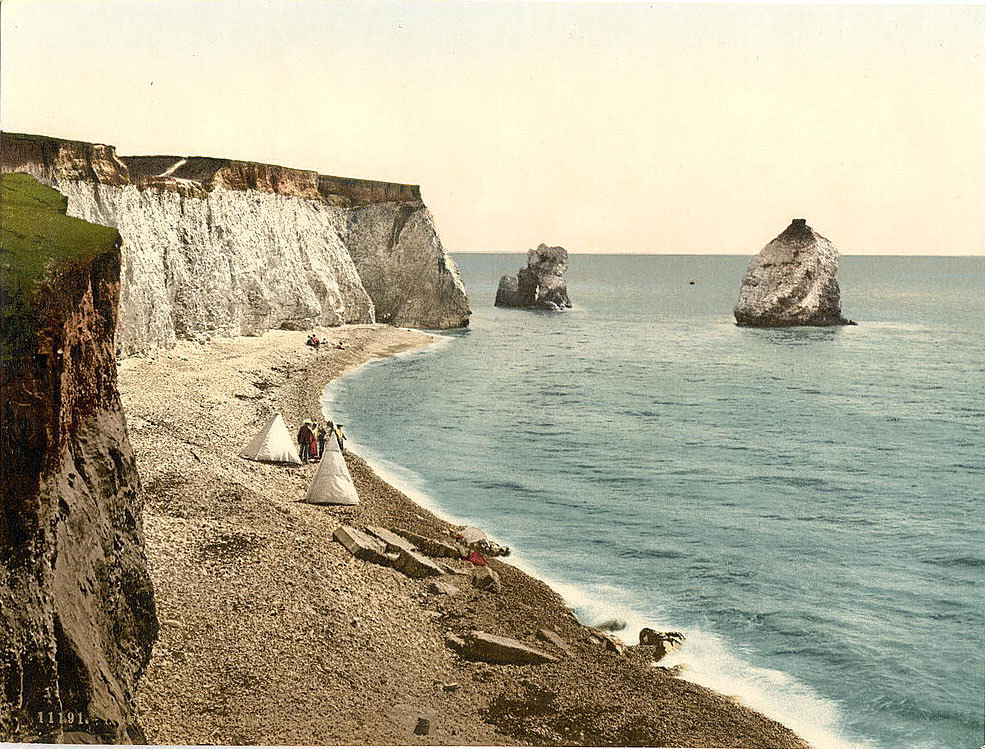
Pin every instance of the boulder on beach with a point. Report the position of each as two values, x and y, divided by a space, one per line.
487 579
792 281
540 285
361 545
414 564
661 643
482 646
552 637
477 540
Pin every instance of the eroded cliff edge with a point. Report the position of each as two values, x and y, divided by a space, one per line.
77 614
226 247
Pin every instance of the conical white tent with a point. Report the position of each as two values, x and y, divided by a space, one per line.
332 484
273 444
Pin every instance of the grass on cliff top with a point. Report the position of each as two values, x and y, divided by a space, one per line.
34 234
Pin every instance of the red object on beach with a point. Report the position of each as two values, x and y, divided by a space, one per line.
477 559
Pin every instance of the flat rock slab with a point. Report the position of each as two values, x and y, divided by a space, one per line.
360 545
494 649
413 564
609 641
455 568
394 543
430 546
552 637
439 587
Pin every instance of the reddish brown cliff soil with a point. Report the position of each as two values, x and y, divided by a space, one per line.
77 619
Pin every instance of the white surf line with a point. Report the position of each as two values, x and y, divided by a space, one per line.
171 170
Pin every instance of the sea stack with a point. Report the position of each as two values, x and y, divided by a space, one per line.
77 612
792 281
540 285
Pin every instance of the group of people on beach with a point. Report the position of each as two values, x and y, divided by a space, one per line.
316 343
312 436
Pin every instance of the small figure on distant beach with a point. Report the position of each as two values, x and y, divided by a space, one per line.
340 345
313 440
304 441
340 436
313 341
321 434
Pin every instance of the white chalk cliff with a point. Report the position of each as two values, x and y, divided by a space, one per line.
792 281
404 267
222 247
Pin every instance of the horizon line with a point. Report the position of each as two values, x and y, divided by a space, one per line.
712 254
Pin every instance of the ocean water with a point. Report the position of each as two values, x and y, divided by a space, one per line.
806 505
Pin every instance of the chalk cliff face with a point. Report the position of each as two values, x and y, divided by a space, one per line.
405 269
792 281
77 615
224 247
540 285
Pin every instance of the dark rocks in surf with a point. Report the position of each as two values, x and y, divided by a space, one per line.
661 643
792 281
540 285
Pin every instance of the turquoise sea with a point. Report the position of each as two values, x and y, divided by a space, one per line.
806 505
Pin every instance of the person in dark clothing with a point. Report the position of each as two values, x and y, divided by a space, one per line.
304 441
320 432
340 436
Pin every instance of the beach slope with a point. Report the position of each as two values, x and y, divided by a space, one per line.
272 633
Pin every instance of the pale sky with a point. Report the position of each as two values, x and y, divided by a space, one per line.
602 127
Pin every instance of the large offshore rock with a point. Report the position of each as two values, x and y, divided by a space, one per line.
792 281
77 613
540 285
225 247
404 267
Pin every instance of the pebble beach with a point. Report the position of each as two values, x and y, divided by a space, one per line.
273 633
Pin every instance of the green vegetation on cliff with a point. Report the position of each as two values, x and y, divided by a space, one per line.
35 236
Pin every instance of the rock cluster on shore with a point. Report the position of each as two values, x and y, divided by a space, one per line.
539 285
792 281
407 551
